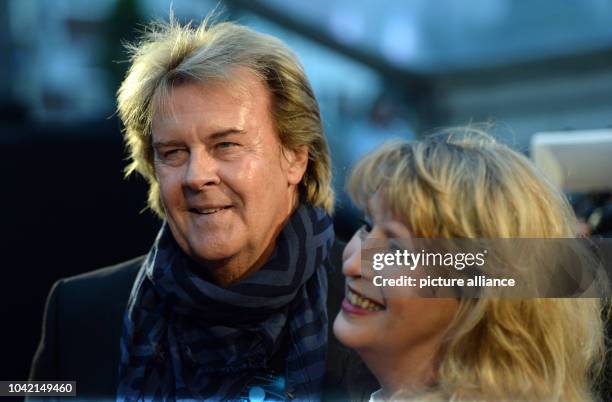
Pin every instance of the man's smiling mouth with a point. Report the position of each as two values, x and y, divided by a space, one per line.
207 211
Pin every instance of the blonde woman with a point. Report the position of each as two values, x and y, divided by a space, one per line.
463 184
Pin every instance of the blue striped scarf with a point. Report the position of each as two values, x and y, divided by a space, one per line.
186 338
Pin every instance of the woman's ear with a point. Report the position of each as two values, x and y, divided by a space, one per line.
297 162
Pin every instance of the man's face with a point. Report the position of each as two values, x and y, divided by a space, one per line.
226 185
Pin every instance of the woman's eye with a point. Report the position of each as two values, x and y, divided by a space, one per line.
366 226
395 246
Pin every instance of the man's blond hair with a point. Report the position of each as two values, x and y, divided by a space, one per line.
172 54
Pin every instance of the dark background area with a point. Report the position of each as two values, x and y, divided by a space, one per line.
67 210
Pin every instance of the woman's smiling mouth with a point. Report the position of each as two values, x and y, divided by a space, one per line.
355 303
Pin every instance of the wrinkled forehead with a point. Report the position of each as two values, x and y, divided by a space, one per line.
239 83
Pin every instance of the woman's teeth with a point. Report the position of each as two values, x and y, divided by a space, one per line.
362 302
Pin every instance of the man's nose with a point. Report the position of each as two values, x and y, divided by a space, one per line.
202 171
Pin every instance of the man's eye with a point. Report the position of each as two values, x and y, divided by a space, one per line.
225 145
172 155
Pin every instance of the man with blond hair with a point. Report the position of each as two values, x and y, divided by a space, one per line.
231 301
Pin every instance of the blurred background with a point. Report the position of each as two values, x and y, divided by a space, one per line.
380 70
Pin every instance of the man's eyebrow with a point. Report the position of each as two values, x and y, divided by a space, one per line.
214 136
224 133
161 144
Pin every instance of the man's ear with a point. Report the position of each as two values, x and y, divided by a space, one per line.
297 162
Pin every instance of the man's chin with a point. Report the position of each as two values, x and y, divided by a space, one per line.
224 269
212 259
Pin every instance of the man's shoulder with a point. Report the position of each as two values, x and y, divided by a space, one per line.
122 271
109 286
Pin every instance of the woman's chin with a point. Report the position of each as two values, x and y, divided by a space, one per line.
352 335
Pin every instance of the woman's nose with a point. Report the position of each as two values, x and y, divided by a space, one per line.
351 257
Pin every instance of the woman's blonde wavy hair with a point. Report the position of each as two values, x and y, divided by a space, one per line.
173 54
461 183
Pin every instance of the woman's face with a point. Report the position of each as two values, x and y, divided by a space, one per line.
390 321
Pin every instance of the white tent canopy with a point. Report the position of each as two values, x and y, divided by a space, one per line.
576 161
